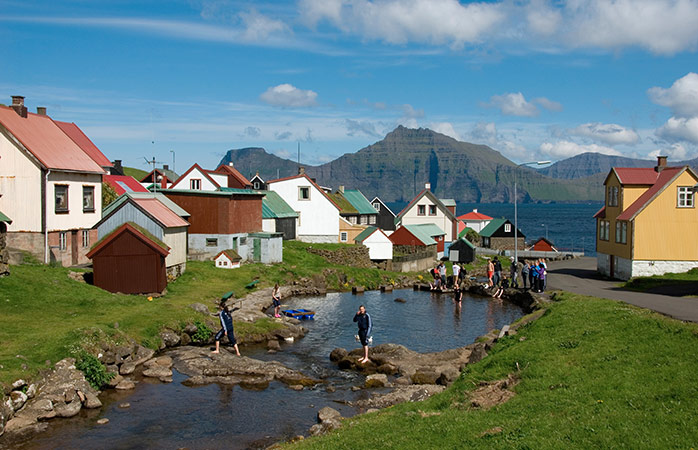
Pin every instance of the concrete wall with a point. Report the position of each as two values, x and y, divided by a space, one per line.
34 244
198 250
624 269
319 217
271 249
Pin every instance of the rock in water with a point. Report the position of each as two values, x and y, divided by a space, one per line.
103 421
400 300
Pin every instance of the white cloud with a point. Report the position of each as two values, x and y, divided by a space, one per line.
680 129
548 104
287 95
514 104
567 149
608 133
409 112
675 152
681 97
258 27
359 127
445 128
485 132
252 132
543 19
402 21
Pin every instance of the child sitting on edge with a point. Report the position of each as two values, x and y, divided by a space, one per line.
504 284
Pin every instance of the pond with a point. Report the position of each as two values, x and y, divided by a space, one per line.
172 415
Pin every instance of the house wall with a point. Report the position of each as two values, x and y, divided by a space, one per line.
221 179
269 225
440 219
20 186
403 237
271 249
184 182
129 213
662 231
628 195
610 247
220 214
75 217
542 246
318 219
505 243
286 226
199 249
476 225
379 246
351 230
176 239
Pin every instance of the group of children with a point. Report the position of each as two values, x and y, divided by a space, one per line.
533 274
536 273
439 275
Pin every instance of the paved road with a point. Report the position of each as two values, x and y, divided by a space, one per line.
580 276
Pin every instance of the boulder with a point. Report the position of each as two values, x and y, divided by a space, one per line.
190 328
425 377
141 355
68 409
157 371
170 338
185 339
31 391
19 384
338 354
328 413
103 421
115 381
401 394
377 380
18 399
125 385
273 344
127 368
91 401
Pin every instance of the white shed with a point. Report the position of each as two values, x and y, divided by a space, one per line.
379 245
228 259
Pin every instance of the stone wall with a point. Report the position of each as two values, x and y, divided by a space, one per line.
4 253
354 256
33 243
506 243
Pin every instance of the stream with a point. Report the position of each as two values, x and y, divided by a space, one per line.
168 416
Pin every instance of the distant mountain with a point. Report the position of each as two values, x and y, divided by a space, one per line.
588 164
397 167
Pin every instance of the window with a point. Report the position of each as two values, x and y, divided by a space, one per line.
604 230
377 206
88 199
304 193
195 184
243 240
421 210
85 238
352 220
61 191
507 228
685 197
364 220
256 185
343 236
371 220
622 232
612 199
432 210
63 240
211 242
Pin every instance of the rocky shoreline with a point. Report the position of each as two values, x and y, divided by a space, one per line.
64 391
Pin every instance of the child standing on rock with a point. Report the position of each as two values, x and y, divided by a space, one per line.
276 299
363 320
226 330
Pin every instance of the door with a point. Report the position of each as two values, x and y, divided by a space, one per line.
611 266
257 250
74 247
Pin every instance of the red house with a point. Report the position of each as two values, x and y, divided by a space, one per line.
543 245
424 235
130 260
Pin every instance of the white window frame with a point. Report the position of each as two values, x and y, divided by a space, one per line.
622 232
85 238
377 206
57 209
300 192
63 240
685 198
613 192
86 208
256 185
343 236
372 219
195 184
507 228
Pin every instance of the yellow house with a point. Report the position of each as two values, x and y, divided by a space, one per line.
649 223
348 231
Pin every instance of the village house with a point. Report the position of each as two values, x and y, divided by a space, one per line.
258 183
159 179
474 219
318 214
425 208
359 210
50 185
499 235
198 179
228 259
421 235
158 219
278 216
649 221
380 247
386 217
542 245
129 260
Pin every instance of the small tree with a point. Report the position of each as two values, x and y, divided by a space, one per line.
472 236
108 195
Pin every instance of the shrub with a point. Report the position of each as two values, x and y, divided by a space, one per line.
203 333
95 372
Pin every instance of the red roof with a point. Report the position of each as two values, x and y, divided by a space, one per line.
160 212
230 170
302 175
665 178
636 175
474 215
117 182
126 228
76 134
47 142
600 214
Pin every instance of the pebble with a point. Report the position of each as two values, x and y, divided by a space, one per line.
103 421
124 405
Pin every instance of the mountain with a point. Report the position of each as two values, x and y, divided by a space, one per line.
588 164
397 167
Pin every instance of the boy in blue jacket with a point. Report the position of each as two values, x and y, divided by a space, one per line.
226 330
365 324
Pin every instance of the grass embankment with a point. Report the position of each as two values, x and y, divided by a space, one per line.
138 174
644 284
44 314
593 374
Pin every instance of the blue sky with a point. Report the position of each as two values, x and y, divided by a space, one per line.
532 79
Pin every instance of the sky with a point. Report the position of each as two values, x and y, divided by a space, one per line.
184 81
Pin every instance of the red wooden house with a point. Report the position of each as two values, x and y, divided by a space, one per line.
543 245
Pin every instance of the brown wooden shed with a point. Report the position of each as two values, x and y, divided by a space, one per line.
130 260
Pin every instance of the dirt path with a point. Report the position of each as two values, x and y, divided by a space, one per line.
580 276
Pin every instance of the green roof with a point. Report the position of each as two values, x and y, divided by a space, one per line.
242 191
345 207
265 235
464 231
274 207
424 232
364 234
4 218
136 195
448 201
467 242
492 227
359 201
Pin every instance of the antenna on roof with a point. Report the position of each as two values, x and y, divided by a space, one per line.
155 180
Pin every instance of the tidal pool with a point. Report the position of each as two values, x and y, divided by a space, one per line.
167 416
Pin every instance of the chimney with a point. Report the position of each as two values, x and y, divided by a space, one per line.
165 167
41 110
18 105
118 168
427 186
661 164
475 210
231 164
341 189
301 170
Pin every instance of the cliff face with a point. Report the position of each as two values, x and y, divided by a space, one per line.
590 164
397 167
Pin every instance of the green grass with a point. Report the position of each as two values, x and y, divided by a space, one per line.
44 315
138 174
668 279
593 374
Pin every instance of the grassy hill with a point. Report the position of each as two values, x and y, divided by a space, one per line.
138 174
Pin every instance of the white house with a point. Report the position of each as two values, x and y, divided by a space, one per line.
318 214
425 208
475 220
228 259
155 216
380 247
198 179
50 186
